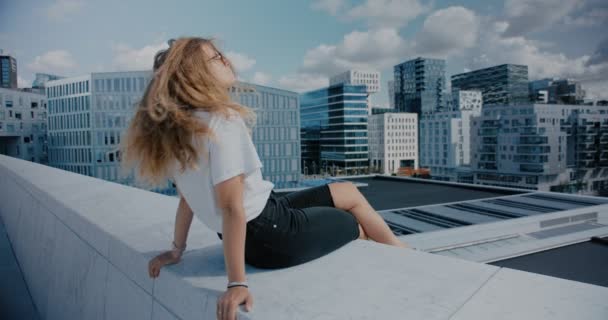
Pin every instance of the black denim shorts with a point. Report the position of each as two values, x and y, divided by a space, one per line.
296 228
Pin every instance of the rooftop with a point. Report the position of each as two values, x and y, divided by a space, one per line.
83 245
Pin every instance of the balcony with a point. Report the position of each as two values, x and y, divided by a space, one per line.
528 131
536 140
533 149
536 159
488 132
490 123
487 149
534 168
489 140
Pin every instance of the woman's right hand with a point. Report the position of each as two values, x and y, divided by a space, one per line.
161 260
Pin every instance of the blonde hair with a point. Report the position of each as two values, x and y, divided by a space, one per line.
164 128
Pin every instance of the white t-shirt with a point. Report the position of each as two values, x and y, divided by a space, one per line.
233 154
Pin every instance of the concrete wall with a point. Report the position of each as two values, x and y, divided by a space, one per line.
84 244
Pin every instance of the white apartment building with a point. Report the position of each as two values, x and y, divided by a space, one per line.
445 137
393 141
87 116
546 147
23 125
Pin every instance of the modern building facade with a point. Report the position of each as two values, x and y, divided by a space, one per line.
391 94
334 129
557 91
393 141
87 116
445 138
503 84
276 134
371 80
23 132
8 71
419 85
546 147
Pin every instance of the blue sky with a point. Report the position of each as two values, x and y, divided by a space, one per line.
297 45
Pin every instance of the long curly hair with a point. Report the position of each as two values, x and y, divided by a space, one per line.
164 130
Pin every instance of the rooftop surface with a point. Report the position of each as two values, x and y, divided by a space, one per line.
395 192
83 245
584 262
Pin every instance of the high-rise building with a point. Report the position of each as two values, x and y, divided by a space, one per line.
557 91
547 147
419 85
503 84
23 131
393 141
334 129
445 138
8 71
371 80
391 94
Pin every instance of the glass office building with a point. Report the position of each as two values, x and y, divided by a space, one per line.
419 85
334 130
8 71
503 84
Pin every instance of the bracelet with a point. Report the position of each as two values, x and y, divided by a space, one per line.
180 249
236 284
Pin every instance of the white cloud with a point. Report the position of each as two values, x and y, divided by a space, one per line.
459 34
601 53
447 31
595 89
131 59
301 82
387 13
240 61
591 14
54 62
261 78
23 83
330 6
497 47
128 58
534 15
374 49
61 9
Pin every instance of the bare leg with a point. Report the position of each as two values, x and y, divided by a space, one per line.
346 196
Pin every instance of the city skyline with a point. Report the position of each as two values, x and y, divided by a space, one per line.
303 44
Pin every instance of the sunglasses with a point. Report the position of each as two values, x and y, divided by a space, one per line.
219 56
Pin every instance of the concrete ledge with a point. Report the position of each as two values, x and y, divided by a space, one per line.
84 246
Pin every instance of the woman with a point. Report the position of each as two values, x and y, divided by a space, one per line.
186 113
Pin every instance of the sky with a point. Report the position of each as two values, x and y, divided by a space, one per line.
298 45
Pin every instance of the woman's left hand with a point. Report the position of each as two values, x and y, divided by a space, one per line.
231 299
